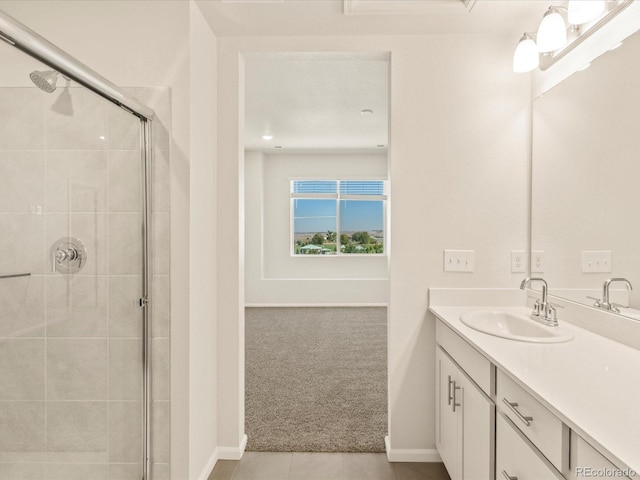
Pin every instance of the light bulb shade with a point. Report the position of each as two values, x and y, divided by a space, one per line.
552 32
526 57
583 11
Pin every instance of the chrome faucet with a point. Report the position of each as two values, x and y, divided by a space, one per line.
543 311
606 303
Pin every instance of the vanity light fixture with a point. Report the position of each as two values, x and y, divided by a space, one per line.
526 56
584 11
552 41
552 32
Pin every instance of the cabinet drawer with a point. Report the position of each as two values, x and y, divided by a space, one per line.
515 458
476 366
586 461
543 428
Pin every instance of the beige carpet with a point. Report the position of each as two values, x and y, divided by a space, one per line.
316 379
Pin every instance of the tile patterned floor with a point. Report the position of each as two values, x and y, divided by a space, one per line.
324 466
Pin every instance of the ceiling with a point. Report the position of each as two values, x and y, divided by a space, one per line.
313 101
370 17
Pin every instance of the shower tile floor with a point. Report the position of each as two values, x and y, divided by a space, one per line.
324 466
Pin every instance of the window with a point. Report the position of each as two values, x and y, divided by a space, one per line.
337 217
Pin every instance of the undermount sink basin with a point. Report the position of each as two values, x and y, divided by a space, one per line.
514 326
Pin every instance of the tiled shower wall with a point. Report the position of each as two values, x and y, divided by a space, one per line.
70 345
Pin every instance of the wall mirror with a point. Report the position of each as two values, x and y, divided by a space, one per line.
586 181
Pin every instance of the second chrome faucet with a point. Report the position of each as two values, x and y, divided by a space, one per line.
606 303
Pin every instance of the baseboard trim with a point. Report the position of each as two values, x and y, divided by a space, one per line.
233 453
410 454
209 466
281 305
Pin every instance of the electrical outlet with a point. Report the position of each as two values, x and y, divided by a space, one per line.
537 261
518 261
459 260
596 261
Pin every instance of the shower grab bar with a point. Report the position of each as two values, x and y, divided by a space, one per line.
15 275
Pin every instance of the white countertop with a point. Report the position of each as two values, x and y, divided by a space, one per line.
591 383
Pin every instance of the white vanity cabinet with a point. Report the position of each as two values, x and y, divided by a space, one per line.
490 425
465 416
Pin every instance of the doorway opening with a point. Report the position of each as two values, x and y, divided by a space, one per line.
316 251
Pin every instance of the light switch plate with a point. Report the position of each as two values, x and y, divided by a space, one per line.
596 261
459 260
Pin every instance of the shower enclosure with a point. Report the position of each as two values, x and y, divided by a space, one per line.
75 272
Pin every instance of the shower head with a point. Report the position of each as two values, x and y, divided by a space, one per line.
45 80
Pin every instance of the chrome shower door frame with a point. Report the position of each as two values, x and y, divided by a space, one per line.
146 153
21 37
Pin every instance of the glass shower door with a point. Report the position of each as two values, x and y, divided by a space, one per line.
71 264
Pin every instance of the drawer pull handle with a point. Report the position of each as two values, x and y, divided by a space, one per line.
455 404
450 397
513 406
507 476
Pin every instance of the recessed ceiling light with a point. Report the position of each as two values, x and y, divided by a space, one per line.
366 111
267 137
102 137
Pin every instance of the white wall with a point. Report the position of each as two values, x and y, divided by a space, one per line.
459 174
459 161
272 275
230 194
202 250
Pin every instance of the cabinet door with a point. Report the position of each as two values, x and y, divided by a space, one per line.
586 461
477 438
515 458
448 429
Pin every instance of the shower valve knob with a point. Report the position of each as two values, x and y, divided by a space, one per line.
68 255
